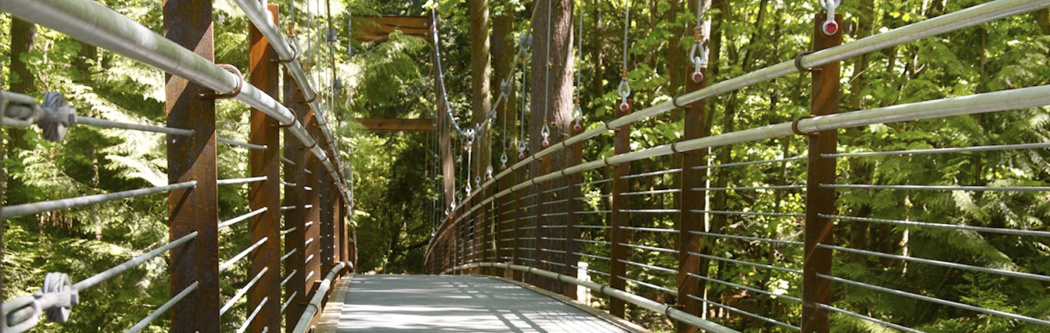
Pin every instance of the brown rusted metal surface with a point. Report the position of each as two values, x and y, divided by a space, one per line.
192 158
294 218
820 200
398 125
539 222
620 219
379 28
519 223
689 221
264 74
572 220
326 226
312 214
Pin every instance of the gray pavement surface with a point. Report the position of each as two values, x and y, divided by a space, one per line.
429 303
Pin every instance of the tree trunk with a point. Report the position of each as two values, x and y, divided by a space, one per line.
481 69
552 83
21 81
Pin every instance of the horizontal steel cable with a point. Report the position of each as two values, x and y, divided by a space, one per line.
47 206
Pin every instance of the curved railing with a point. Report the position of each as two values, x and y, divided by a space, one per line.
645 236
285 261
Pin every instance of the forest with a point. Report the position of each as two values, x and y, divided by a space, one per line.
492 56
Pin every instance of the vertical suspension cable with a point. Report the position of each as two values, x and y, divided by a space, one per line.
521 120
545 130
699 61
577 111
625 87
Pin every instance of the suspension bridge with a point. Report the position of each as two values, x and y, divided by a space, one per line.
510 255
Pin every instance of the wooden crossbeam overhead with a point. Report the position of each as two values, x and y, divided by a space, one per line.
398 125
379 28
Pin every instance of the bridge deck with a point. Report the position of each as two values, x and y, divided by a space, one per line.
428 303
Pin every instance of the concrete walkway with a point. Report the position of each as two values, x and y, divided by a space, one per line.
428 303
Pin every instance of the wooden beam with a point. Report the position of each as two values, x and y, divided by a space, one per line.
379 28
398 125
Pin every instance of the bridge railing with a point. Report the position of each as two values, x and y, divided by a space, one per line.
659 239
299 256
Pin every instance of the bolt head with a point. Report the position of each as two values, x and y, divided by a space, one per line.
698 76
624 107
546 143
521 156
830 28
577 127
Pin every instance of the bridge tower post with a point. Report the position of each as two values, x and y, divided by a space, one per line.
263 69
572 219
619 217
295 292
192 158
820 200
692 201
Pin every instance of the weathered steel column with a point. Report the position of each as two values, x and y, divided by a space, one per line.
312 209
326 193
692 201
572 220
192 158
541 244
620 219
519 211
820 200
295 292
264 73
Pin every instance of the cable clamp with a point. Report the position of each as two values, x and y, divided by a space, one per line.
236 90
674 102
674 149
61 287
295 117
293 43
794 126
798 62
57 116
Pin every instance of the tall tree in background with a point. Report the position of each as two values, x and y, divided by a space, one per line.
552 84
481 68
21 81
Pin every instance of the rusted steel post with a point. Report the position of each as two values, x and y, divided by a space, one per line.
342 240
689 220
192 158
326 226
540 222
264 130
572 220
820 200
519 223
294 195
312 209
620 219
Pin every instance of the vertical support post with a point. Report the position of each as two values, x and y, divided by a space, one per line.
519 243
541 244
620 219
820 200
341 239
266 194
294 193
192 158
312 211
572 220
689 220
325 192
